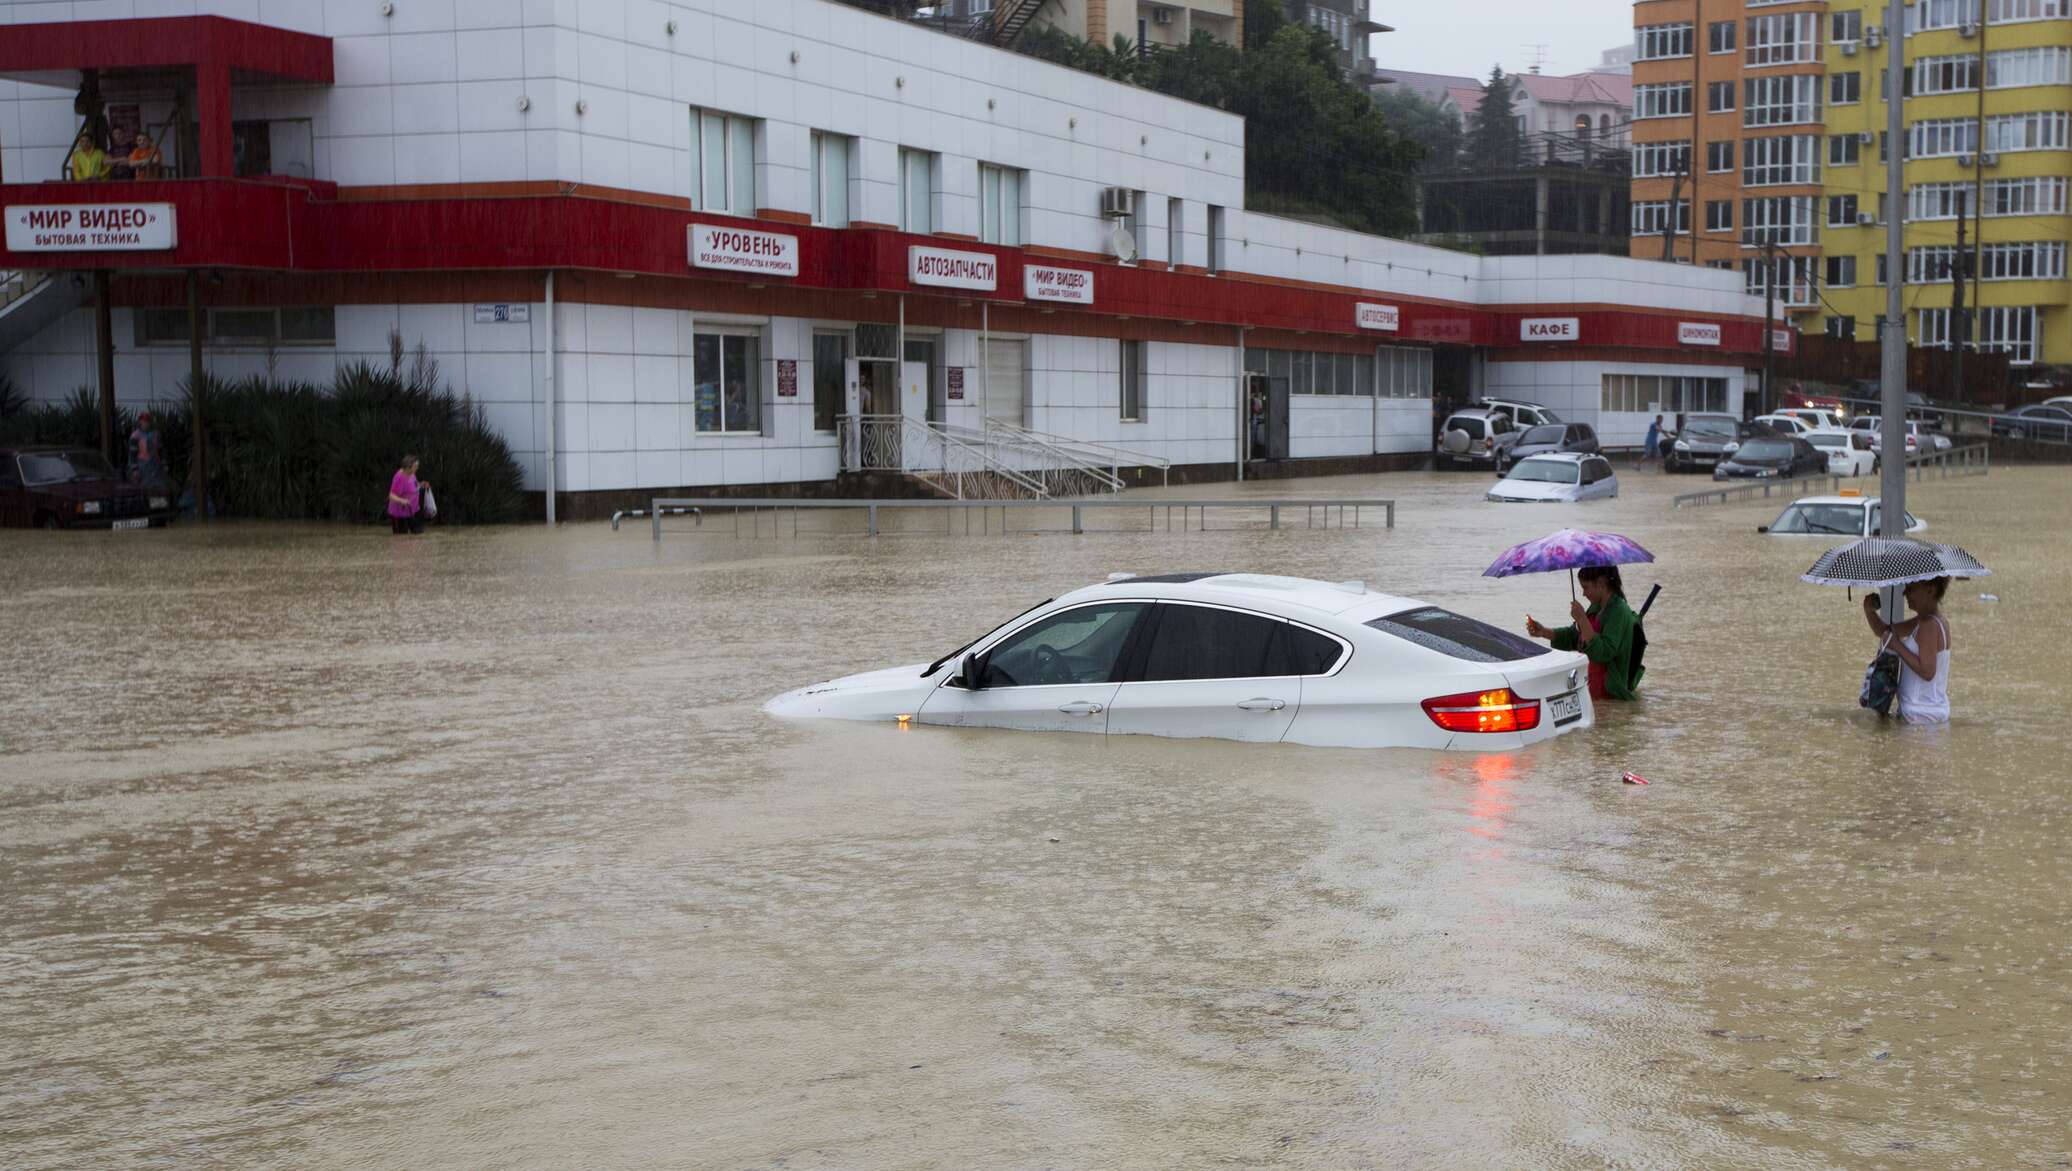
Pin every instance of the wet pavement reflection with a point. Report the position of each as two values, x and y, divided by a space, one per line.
324 848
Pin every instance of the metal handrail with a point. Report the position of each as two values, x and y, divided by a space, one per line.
1116 457
17 283
1274 505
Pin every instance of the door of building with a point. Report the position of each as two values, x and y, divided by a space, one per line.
1003 388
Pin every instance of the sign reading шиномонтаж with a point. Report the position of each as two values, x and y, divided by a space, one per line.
1550 329
1386 318
91 227
1698 333
744 250
1074 286
949 269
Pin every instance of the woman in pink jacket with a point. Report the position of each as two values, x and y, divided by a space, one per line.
404 495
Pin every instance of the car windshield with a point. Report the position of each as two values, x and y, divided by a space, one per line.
1545 471
1542 435
1756 449
58 467
1828 440
1844 520
1710 428
1458 636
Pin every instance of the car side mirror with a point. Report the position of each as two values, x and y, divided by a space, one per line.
971 673
1762 528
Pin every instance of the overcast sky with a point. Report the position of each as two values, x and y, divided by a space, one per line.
1468 36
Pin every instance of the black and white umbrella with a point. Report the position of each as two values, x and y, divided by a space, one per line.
1878 562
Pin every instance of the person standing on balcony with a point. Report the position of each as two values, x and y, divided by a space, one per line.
87 160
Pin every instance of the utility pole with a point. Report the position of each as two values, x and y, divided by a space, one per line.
1892 382
1769 320
1669 229
1960 323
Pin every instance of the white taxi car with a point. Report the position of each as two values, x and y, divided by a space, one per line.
1238 657
1833 516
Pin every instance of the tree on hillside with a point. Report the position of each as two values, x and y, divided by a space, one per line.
1430 125
1494 139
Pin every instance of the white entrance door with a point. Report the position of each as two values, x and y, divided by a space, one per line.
1006 362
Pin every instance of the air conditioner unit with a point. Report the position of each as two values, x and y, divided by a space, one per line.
1866 137
1848 48
1161 16
1965 160
1873 37
1118 203
1865 219
1989 159
1968 31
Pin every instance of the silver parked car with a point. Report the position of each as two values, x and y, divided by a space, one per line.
1704 441
1557 478
1475 437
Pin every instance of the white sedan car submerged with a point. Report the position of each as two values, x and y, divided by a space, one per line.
1557 478
1237 657
1833 516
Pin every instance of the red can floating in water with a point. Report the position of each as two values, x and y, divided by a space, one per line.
1632 778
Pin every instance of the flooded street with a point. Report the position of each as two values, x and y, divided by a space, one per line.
323 848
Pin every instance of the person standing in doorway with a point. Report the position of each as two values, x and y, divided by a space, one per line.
1652 448
1258 405
404 494
146 458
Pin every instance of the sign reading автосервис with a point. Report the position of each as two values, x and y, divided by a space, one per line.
947 269
744 250
1386 318
1041 282
91 227
1550 329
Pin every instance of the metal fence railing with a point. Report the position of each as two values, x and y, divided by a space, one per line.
990 517
2000 423
1972 459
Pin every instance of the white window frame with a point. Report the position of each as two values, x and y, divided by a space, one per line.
1780 219
1787 38
1788 99
917 170
1655 160
831 184
728 140
1132 379
1663 42
1780 160
1001 197
1671 100
1844 150
1651 217
755 376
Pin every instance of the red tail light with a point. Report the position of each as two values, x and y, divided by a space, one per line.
1488 443
1484 711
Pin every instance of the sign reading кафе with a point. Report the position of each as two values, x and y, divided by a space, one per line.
91 227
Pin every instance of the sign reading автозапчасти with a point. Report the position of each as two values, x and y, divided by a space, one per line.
744 250
950 269
91 227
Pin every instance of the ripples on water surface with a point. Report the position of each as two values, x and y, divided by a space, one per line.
322 848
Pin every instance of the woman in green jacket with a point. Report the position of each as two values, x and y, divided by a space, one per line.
1604 633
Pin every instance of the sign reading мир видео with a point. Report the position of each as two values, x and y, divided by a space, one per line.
744 250
1550 329
1043 282
948 269
91 227
1386 318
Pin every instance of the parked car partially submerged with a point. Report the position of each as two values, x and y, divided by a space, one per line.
1833 516
1549 437
1557 478
1704 440
53 487
1233 656
1849 453
1764 457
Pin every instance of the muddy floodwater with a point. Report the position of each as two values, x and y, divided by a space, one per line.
323 848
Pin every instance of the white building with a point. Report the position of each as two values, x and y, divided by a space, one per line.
760 221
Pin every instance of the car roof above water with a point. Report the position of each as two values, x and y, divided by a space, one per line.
1258 590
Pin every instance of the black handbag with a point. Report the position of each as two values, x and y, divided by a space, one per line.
1881 680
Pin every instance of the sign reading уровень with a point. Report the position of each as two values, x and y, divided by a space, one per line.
91 227
744 250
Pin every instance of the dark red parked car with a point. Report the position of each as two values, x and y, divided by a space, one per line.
73 487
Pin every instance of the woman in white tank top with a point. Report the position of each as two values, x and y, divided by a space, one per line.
1923 645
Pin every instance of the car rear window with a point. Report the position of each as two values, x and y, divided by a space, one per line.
1467 423
1458 636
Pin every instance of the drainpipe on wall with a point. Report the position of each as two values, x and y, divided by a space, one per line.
553 353
985 363
1242 405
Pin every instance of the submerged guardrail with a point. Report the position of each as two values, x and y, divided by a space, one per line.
1973 459
1318 513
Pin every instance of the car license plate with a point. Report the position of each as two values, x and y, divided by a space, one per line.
1566 709
141 522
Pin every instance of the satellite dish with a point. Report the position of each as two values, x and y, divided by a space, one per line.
1122 244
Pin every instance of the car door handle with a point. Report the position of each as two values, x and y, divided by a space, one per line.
1262 705
1081 707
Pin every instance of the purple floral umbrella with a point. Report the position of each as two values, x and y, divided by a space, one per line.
1569 549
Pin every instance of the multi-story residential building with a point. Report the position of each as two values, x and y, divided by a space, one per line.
699 244
1765 121
1153 23
1349 24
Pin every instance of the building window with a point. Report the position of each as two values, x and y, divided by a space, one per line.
1000 204
1844 150
2014 11
1845 26
2043 65
1719 156
1662 101
1785 39
297 325
1719 97
726 369
831 154
916 190
2011 330
1780 101
1881 273
1651 217
1395 372
1668 393
1794 275
1843 328
1132 389
830 373
1841 272
1659 42
1719 215
1176 232
1656 159
1719 37
1841 211
1781 220
725 161
1943 75
1927 15
1215 239
1844 89
1769 162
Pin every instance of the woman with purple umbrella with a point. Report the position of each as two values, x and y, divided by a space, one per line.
1606 633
